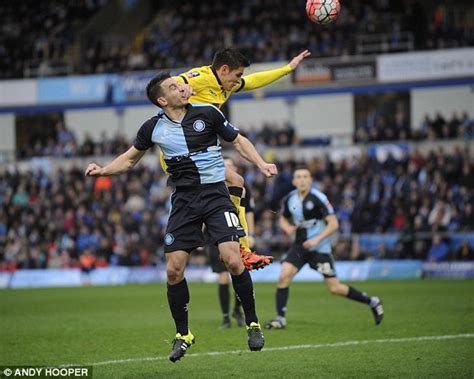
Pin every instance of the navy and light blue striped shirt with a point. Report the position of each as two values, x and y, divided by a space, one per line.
191 148
309 215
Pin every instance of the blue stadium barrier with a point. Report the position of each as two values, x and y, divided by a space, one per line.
5 278
46 278
396 269
370 243
346 270
449 270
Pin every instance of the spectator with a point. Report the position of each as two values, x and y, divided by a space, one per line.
438 251
465 252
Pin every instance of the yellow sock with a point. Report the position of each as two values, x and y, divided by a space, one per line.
234 196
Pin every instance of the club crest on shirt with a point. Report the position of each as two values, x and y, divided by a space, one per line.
309 205
192 74
169 239
199 125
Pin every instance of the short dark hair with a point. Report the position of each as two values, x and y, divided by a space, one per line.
231 57
153 88
303 167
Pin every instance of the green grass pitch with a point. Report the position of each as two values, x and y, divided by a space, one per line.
125 332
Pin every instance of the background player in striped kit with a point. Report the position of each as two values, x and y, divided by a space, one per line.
309 216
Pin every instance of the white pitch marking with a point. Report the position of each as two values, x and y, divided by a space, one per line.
282 348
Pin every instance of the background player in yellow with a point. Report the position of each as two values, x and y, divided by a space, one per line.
213 85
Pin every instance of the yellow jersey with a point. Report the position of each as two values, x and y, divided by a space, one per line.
209 90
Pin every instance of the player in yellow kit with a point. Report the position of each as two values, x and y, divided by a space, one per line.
213 85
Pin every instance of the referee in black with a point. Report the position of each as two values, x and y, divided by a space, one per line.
188 135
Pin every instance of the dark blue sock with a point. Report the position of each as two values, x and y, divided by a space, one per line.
356 295
243 287
224 299
281 300
178 299
237 305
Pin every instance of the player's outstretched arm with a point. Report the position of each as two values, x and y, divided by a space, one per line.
297 60
248 151
264 78
122 163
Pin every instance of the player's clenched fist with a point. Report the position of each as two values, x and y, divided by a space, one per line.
93 170
269 170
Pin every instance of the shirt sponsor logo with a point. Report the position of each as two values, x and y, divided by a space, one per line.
192 74
199 125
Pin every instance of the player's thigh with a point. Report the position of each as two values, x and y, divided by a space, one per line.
221 218
233 179
296 257
323 263
230 255
184 228
177 259
287 273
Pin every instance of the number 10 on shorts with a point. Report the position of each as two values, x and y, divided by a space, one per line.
232 219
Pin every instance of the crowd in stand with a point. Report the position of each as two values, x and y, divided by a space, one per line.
419 194
378 127
63 142
458 126
37 35
65 220
184 34
54 221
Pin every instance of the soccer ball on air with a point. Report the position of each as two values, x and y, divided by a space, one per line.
322 11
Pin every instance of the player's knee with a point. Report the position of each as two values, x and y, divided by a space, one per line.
284 281
234 265
174 274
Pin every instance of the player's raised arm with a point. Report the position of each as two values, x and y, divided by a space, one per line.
297 60
122 163
248 151
263 78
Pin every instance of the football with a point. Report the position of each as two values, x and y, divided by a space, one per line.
323 11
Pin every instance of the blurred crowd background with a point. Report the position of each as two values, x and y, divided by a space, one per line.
55 219
39 37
